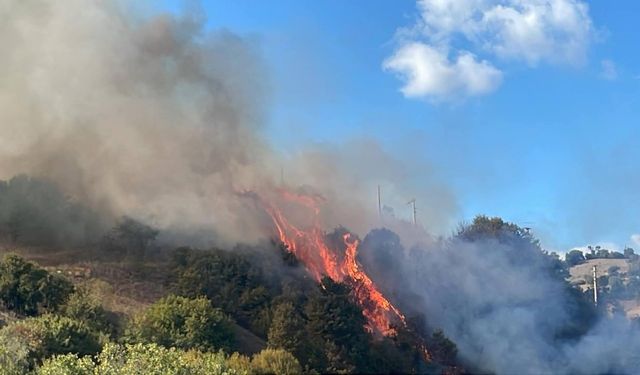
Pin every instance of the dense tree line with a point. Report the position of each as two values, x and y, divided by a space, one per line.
60 329
319 323
306 326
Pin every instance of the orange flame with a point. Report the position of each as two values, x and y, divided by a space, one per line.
310 247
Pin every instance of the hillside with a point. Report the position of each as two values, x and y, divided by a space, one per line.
581 275
121 288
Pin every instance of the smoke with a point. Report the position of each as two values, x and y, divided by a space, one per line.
504 304
158 117
155 117
348 175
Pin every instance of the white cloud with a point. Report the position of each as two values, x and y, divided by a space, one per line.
609 70
529 31
428 72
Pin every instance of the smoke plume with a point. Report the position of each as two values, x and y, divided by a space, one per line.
160 118
503 305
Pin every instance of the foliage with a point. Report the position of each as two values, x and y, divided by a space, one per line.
147 359
239 363
84 307
30 290
629 252
35 339
231 280
287 328
67 364
320 325
14 355
337 322
129 238
275 361
183 323
574 257
442 349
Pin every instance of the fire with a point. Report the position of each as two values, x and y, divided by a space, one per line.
310 246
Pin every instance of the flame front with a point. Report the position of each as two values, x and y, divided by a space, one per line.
311 248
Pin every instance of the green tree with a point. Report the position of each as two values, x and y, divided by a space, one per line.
184 323
338 322
84 307
30 290
287 329
129 238
68 364
275 361
231 279
41 337
574 257
147 359
628 252
442 349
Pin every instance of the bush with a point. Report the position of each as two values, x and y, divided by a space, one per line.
129 238
231 279
183 323
68 364
84 307
36 339
30 290
275 361
148 359
239 363
443 350
574 257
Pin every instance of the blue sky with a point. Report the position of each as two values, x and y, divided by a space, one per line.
544 133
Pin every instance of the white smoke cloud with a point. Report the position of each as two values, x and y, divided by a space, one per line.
502 305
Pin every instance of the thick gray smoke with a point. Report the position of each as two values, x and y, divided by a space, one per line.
151 117
504 305
159 118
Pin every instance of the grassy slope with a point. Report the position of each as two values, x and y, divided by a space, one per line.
120 287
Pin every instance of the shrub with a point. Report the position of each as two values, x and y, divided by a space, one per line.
36 339
68 364
275 361
147 359
84 307
184 323
30 290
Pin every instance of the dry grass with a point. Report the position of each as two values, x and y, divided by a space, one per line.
582 274
121 287
584 271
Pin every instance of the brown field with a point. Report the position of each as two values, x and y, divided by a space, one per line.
582 275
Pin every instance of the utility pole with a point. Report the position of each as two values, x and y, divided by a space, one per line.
413 205
595 285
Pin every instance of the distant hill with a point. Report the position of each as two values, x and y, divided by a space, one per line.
582 276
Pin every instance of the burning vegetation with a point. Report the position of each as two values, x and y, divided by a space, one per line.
335 259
